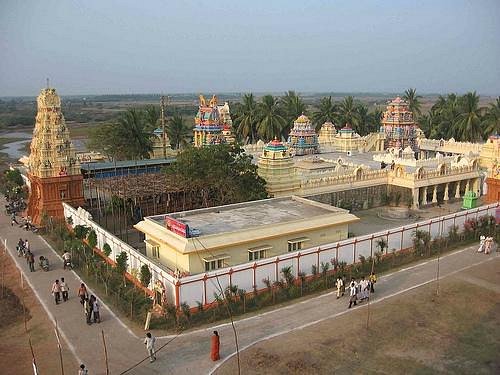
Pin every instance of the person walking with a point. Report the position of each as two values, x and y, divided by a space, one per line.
13 219
83 370
373 280
95 310
149 341
64 289
30 259
482 240
87 306
56 291
364 288
353 290
26 244
340 285
82 293
215 347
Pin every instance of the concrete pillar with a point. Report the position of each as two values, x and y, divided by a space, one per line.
415 194
457 190
467 186
434 194
446 197
424 198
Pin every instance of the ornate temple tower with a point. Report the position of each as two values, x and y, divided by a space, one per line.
53 169
399 126
276 166
226 122
207 124
303 139
327 133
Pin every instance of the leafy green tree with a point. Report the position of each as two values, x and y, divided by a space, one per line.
121 262
145 275
364 119
491 119
245 119
292 107
468 124
413 103
81 231
12 184
92 238
348 114
271 121
326 111
106 249
222 174
375 120
179 133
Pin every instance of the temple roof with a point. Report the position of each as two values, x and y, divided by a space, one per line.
302 119
275 145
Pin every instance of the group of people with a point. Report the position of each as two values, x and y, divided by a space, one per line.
91 307
60 288
486 244
358 291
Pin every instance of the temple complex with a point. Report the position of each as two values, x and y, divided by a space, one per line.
399 126
303 140
213 124
53 169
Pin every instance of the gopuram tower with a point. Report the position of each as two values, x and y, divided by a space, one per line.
399 126
53 170
207 124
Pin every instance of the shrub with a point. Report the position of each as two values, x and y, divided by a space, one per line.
81 231
92 238
145 275
121 262
106 249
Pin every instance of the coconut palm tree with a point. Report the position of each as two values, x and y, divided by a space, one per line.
151 117
179 133
348 114
469 120
270 118
292 106
375 120
364 119
132 132
245 120
413 104
447 111
326 111
491 122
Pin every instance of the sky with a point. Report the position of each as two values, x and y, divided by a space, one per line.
189 46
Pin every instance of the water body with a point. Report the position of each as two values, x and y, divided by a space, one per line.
15 150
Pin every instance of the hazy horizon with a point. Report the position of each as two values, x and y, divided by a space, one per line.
186 47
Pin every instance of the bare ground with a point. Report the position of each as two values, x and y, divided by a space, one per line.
15 353
457 332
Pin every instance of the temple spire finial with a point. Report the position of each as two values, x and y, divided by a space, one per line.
48 82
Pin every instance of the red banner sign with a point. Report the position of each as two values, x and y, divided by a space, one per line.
177 227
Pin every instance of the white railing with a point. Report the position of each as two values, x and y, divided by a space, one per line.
250 276
160 273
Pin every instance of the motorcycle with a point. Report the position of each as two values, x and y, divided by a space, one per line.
44 263
67 265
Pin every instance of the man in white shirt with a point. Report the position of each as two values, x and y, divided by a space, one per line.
66 258
340 284
149 341
64 289
353 290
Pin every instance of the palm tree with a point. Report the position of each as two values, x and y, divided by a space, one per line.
292 107
246 119
492 119
469 120
271 121
446 110
413 104
364 119
179 133
133 134
326 111
375 120
348 113
151 117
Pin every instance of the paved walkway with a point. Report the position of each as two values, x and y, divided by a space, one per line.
189 352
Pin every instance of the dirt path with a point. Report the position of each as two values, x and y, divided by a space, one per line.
15 353
417 332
